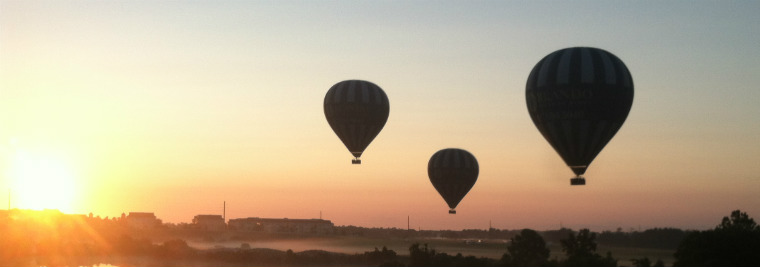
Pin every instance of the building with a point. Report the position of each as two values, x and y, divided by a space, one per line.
300 226
142 220
209 222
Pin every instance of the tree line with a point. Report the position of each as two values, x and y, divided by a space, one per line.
657 238
734 242
51 238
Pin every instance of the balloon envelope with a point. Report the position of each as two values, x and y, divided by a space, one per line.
356 111
578 98
453 172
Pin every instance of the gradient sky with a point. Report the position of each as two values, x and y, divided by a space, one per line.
174 107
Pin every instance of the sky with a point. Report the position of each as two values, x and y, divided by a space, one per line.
176 107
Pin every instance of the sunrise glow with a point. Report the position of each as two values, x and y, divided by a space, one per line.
41 182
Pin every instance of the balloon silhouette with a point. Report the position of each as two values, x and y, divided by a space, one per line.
578 98
453 172
356 111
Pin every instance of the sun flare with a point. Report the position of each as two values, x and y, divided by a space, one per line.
41 182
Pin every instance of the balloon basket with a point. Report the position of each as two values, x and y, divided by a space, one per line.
356 161
452 212
578 181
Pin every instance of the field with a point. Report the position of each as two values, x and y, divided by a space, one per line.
480 248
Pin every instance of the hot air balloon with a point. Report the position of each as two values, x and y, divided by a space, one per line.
453 172
578 98
356 111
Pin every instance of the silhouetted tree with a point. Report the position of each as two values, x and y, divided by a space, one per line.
420 257
582 245
380 256
526 249
645 262
660 238
739 221
735 242
423 256
581 251
392 264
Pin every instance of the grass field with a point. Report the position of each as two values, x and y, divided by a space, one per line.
625 254
485 248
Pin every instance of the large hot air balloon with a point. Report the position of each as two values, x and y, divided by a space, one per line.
453 172
356 110
579 98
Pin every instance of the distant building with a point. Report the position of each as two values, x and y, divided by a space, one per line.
142 220
301 226
209 222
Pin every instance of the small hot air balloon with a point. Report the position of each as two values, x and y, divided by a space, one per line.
578 98
356 111
453 172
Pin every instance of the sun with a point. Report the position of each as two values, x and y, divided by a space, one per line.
41 182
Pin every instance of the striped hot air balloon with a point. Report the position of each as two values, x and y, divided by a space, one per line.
453 172
578 98
356 111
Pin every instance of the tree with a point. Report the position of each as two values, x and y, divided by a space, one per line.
582 245
420 257
526 249
642 262
739 221
645 262
380 256
735 242
581 251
